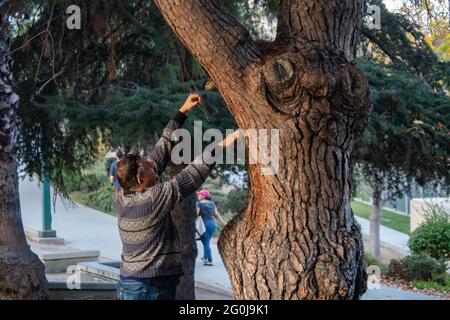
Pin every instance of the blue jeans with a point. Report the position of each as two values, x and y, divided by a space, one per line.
210 226
128 289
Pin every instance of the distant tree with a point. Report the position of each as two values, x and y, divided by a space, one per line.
236 200
402 44
433 17
407 140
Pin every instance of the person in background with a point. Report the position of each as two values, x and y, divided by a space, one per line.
209 213
112 174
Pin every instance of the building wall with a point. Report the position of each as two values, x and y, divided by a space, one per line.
418 206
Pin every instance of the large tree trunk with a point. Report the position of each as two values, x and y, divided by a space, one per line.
297 238
22 274
184 218
375 221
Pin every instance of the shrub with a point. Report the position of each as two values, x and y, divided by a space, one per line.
218 198
72 181
370 260
423 285
419 268
432 237
102 199
90 182
92 188
396 269
236 200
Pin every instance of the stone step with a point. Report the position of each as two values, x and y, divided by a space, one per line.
58 258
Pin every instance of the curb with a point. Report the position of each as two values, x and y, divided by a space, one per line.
213 288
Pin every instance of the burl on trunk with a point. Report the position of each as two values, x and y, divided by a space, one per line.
297 238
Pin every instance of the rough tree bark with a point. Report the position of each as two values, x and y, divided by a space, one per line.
297 238
22 274
184 218
375 220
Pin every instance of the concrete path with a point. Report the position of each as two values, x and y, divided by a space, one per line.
89 229
389 293
81 227
387 235
213 277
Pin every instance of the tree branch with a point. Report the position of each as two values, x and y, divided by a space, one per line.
222 46
338 26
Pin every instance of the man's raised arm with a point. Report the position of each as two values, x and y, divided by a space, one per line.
163 149
190 178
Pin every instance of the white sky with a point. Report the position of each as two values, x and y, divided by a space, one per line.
393 4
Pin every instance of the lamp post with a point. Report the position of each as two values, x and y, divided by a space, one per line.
46 231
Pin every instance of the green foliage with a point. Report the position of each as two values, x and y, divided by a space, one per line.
407 136
121 81
218 197
424 285
92 188
236 201
404 43
370 260
101 199
432 237
169 76
258 16
419 268
69 132
125 74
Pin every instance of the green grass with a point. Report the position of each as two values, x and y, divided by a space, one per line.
79 197
422 285
388 218
91 200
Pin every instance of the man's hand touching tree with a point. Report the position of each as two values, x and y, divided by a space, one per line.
192 101
230 139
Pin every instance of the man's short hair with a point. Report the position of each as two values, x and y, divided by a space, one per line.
119 154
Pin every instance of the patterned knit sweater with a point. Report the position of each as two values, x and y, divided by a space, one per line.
150 239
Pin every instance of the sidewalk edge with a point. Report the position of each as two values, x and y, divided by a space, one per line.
213 288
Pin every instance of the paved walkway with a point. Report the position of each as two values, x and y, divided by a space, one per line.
387 235
81 227
89 229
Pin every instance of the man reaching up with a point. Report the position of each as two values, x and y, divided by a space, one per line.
151 259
